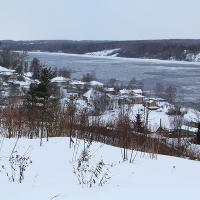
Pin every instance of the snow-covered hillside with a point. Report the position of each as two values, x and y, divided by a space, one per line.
193 57
50 176
110 52
154 116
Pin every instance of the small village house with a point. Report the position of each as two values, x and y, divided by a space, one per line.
5 71
77 84
133 96
72 96
110 91
96 84
138 99
60 81
6 74
152 105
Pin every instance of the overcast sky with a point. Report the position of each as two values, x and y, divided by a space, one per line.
99 19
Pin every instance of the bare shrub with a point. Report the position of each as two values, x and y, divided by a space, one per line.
88 174
16 168
16 165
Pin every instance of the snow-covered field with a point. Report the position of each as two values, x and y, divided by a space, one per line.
51 176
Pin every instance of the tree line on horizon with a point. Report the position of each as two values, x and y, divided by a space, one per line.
153 49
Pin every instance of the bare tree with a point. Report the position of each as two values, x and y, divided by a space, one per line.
123 130
196 120
176 122
64 73
112 82
170 94
35 68
177 113
13 60
159 90
132 83
140 85
89 77
100 103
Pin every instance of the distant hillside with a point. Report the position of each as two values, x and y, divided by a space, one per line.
188 50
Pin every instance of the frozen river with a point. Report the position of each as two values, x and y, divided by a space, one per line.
184 75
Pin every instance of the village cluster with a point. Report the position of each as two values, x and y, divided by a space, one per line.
13 88
97 91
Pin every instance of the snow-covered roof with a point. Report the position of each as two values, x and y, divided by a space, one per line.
124 97
77 82
22 83
96 83
151 101
153 107
139 96
109 89
59 79
158 99
112 96
6 73
28 74
3 69
72 93
5 84
137 91
88 94
125 91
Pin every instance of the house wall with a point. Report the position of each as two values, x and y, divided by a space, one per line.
138 100
152 104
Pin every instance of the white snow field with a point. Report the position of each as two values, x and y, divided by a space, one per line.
51 176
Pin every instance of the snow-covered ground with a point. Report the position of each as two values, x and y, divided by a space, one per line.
50 176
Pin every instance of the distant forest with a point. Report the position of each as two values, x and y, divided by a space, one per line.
153 49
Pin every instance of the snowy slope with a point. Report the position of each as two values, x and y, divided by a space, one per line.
50 176
110 52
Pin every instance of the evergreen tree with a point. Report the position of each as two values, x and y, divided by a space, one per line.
45 76
40 93
138 123
38 101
